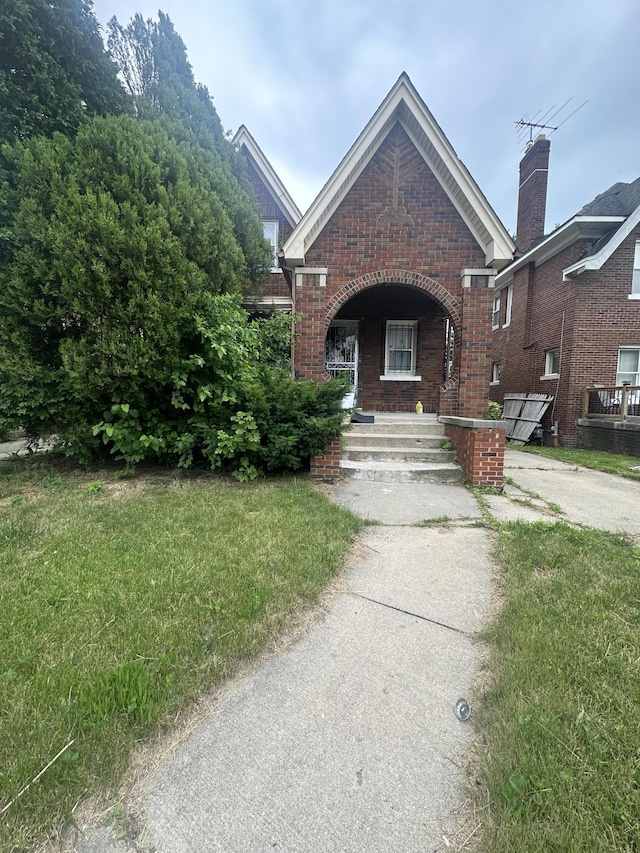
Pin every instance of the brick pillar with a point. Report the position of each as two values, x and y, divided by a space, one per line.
310 299
326 466
475 356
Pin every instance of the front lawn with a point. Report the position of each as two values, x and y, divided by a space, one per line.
560 761
122 601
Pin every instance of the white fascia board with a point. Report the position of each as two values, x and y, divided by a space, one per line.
271 179
565 235
496 242
401 104
595 262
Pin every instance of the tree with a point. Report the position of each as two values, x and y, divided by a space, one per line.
120 238
54 70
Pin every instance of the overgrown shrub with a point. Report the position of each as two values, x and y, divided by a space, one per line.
231 406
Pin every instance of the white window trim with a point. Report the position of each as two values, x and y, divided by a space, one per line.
618 371
401 376
635 275
508 305
495 369
274 241
495 312
548 362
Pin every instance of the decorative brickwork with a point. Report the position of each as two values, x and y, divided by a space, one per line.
395 248
404 277
480 449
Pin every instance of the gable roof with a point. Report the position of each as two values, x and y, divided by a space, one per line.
606 221
244 140
404 105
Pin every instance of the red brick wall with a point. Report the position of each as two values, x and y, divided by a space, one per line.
269 209
532 195
480 453
396 217
363 236
598 319
371 309
475 356
326 466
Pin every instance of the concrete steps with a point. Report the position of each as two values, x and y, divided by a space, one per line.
399 448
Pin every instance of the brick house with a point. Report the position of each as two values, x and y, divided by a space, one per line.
391 271
566 312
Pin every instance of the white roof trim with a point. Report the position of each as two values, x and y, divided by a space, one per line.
404 105
594 262
273 183
572 230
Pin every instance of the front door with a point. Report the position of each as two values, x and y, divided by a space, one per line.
341 350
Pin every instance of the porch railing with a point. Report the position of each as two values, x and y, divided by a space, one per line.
611 401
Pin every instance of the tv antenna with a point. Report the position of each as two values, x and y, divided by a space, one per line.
527 123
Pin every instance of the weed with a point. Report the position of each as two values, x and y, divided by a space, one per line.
95 487
439 521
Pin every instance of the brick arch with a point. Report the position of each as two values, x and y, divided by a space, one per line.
410 279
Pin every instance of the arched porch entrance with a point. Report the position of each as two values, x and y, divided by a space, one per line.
395 333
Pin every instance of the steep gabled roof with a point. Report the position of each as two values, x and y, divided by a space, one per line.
404 105
244 140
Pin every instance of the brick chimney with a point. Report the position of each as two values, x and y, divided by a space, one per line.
532 194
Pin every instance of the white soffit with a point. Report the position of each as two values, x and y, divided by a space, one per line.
595 262
579 227
404 105
271 180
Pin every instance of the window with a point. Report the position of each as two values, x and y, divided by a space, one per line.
635 281
495 318
628 366
400 350
496 370
271 234
552 362
508 301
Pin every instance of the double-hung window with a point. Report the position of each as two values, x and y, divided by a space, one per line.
271 234
551 363
628 366
635 280
508 302
495 315
400 357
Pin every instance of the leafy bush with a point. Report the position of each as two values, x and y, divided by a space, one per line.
231 406
494 411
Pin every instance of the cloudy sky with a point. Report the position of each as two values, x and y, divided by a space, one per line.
305 76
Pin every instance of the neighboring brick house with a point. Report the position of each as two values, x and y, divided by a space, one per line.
392 271
566 312
279 214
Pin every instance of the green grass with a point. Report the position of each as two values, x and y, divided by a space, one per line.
610 463
560 769
123 601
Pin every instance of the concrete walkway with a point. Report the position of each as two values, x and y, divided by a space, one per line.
348 740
